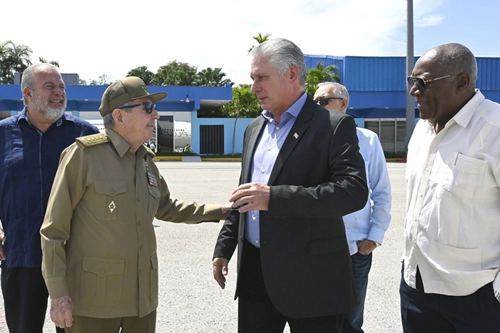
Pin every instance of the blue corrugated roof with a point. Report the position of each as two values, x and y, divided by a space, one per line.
389 73
375 73
313 60
488 72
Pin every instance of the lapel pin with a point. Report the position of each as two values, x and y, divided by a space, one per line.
295 135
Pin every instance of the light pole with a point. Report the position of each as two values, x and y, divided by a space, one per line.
410 104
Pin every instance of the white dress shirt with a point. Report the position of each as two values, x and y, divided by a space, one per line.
270 142
452 230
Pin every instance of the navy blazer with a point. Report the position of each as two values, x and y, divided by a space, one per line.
319 176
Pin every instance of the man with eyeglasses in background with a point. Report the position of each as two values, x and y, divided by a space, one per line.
98 242
365 229
451 261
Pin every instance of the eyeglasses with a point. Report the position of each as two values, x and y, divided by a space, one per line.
422 83
148 107
325 100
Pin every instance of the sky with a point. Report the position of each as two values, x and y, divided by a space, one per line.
110 37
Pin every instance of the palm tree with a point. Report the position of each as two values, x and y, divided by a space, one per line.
260 39
142 72
175 74
14 58
244 103
212 77
319 74
52 62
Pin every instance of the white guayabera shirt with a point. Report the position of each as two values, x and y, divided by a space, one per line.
452 231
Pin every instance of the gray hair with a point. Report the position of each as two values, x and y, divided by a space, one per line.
108 120
282 55
28 77
455 58
336 89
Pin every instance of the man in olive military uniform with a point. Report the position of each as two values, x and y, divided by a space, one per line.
98 243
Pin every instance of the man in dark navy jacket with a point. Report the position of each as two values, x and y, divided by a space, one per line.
30 146
301 172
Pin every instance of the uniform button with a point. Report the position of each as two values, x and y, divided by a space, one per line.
253 217
139 223
102 271
141 247
112 191
138 198
140 272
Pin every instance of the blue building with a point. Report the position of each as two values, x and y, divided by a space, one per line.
377 88
178 127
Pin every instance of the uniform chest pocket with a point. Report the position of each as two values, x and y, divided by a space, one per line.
465 177
110 200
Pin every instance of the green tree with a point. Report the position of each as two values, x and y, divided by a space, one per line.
14 58
260 39
175 74
320 74
102 80
243 104
45 61
142 72
212 77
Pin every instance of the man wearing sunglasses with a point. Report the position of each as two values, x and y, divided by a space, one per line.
451 261
98 242
365 229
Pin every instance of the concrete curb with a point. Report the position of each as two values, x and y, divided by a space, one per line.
227 159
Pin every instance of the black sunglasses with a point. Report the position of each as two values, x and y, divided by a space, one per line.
148 107
422 83
325 100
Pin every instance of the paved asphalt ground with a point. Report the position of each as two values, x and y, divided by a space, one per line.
191 301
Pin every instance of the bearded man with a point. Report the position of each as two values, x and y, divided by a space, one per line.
30 145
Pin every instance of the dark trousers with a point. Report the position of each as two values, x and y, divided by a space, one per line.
25 299
361 265
146 324
256 312
422 313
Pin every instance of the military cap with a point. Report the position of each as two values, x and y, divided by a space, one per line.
125 90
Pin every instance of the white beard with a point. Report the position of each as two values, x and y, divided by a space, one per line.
48 112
